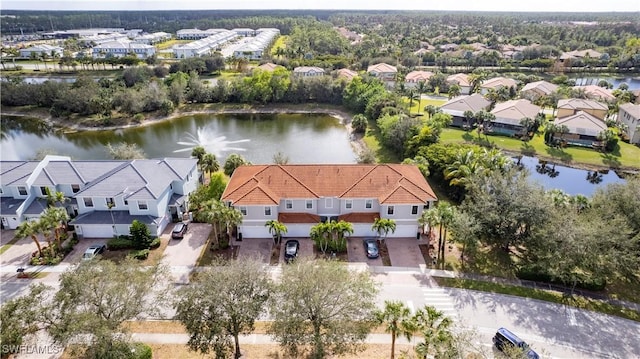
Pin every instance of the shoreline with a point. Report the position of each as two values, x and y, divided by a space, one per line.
357 143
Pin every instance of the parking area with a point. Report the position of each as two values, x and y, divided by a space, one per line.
78 250
306 248
356 252
404 252
185 251
251 247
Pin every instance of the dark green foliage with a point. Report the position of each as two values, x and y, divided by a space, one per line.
140 235
120 243
234 161
140 254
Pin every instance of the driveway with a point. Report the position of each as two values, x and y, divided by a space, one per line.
256 247
78 250
18 254
404 252
185 251
306 248
357 254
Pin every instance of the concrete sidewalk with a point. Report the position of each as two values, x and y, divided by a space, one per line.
155 338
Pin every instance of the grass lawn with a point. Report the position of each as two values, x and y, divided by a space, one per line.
168 44
281 42
624 156
372 140
418 106
8 245
549 296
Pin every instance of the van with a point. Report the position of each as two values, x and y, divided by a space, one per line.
505 337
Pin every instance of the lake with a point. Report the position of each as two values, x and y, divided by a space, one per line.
633 82
304 138
572 181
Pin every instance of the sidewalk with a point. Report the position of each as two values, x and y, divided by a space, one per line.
155 338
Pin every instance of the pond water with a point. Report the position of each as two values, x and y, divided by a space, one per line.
305 138
572 181
633 82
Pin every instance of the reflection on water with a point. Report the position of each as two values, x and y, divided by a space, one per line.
212 143
572 181
304 138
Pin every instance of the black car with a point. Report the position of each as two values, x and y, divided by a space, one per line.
371 248
179 230
504 337
291 248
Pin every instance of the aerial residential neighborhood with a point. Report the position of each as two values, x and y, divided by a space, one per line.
264 183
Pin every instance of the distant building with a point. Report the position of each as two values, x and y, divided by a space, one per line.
197 34
39 50
346 73
308 71
535 90
629 114
205 46
509 114
496 84
268 67
597 93
571 106
413 78
121 49
254 49
154 38
461 80
456 107
584 129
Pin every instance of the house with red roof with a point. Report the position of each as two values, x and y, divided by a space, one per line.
301 196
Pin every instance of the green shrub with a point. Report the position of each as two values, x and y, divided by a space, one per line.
119 243
141 254
538 274
141 351
155 243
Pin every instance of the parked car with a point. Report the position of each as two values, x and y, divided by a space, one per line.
93 251
179 230
371 248
504 337
291 248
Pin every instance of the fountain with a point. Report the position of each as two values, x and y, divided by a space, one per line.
210 140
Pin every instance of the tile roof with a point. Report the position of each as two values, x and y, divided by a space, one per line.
513 111
268 184
305 69
382 67
473 103
9 205
359 217
416 76
119 217
499 82
581 104
460 79
349 74
298 218
594 91
269 66
582 123
631 109
543 86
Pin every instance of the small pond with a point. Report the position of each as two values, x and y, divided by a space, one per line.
572 181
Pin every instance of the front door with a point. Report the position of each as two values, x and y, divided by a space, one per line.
5 223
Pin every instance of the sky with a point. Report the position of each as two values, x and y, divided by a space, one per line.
459 5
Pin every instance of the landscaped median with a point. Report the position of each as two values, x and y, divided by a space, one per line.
540 294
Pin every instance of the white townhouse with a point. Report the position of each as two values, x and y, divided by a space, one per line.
629 114
254 49
154 38
42 49
308 71
197 34
204 46
121 49
105 196
301 196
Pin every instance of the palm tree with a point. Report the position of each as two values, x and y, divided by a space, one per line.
231 217
431 218
58 218
210 163
277 229
412 95
435 329
446 213
383 226
198 152
29 229
463 168
468 116
422 88
320 234
343 229
454 91
45 226
431 110
397 321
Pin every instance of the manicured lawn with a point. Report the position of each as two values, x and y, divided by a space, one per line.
372 139
624 156
549 296
168 44
418 107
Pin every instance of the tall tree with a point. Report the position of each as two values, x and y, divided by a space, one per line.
384 226
210 163
436 333
397 320
29 229
223 303
277 229
323 307
234 161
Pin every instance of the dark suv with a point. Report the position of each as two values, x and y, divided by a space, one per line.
505 337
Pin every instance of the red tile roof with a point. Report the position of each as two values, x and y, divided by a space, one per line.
268 184
359 217
298 218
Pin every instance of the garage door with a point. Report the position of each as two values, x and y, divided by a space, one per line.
97 231
254 232
363 230
408 231
298 230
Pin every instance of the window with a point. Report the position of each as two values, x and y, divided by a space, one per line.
111 203
22 190
348 204
43 190
267 211
288 204
328 202
368 204
126 203
414 210
88 202
75 188
309 204
243 210
390 210
142 205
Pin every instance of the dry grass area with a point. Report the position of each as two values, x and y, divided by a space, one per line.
271 351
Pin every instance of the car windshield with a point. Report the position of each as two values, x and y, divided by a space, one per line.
87 255
178 227
371 246
291 248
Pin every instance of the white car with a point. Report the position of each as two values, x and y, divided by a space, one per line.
93 251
